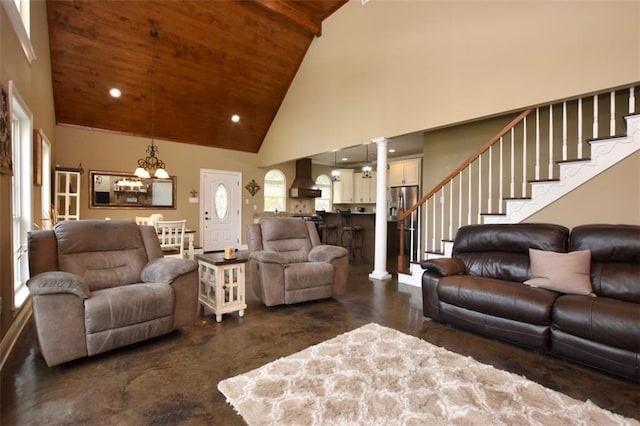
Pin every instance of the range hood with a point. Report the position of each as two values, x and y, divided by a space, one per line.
303 186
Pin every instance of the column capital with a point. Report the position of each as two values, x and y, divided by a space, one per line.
381 140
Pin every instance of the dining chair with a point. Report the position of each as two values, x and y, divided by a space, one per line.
143 220
171 236
154 218
355 240
327 230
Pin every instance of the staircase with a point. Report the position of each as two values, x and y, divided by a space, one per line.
541 155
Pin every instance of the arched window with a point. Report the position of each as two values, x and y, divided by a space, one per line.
323 202
275 191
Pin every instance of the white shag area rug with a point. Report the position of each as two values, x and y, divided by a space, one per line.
379 376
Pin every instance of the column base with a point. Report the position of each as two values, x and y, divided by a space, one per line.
380 275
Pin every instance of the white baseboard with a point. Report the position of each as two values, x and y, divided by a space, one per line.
9 340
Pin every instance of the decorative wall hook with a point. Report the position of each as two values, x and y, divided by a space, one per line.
253 187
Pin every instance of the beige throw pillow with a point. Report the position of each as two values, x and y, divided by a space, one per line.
562 272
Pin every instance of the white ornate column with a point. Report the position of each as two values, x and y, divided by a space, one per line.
380 256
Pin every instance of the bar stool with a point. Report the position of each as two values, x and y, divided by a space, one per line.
327 229
353 233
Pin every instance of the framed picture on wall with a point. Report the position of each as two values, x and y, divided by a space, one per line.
37 157
6 166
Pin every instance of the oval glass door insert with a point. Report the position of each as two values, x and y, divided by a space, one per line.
222 201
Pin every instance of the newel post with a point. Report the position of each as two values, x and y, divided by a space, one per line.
402 258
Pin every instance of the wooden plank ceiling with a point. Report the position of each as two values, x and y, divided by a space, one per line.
213 59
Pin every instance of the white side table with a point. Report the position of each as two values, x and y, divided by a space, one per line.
222 283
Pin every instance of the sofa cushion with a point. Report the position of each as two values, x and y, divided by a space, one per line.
106 340
116 307
501 251
607 321
514 331
615 258
563 272
288 236
511 300
104 253
307 275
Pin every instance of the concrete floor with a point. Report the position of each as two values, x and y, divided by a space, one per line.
172 379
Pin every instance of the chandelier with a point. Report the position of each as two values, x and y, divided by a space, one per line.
367 169
152 165
335 173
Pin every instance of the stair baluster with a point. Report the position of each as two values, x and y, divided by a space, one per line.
523 159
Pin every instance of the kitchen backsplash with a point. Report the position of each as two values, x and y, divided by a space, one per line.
302 206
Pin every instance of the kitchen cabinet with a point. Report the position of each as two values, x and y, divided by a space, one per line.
404 173
343 189
365 190
67 191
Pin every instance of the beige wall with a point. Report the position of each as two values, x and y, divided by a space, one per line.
611 197
33 83
103 151
445 149
394 67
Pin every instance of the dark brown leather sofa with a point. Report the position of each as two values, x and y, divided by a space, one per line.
480 288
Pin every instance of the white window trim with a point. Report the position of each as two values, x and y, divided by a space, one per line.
284 184
45 190
19 27
26 184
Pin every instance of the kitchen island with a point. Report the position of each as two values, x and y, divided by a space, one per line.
367 222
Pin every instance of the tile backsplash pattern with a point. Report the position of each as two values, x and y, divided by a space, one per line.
301 206
296 207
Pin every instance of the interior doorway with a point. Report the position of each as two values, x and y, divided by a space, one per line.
220 209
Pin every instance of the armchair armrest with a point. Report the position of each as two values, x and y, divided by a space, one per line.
444 266
57 282
166 269
265 256
327 253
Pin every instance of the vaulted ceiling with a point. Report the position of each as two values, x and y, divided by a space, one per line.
210 60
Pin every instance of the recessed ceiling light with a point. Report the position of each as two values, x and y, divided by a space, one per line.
115 93
235 118
344 158
392 150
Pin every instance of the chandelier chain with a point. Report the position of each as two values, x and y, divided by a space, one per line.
154 35
152 165
335 173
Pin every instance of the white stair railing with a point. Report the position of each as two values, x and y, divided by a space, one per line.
522 146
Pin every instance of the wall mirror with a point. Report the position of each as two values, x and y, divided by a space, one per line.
124 190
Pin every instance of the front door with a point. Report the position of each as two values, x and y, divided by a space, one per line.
220 222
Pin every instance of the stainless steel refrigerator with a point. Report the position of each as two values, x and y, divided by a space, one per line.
404 197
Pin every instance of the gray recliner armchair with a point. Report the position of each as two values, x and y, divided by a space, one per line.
288 264
101 284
